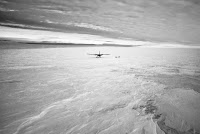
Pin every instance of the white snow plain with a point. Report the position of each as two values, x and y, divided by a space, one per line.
66 91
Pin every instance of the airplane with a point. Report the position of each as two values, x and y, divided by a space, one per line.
99 54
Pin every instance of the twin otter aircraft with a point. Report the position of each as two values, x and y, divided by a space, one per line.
98 55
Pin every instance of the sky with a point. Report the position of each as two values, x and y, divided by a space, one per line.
144 20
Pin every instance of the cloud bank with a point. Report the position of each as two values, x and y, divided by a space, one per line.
169 20
41 36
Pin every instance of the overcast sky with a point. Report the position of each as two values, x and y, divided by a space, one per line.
159 20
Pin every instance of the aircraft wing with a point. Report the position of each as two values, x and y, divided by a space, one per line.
92 54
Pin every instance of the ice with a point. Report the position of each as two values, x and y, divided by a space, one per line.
63 90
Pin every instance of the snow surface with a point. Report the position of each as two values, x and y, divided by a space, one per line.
66 91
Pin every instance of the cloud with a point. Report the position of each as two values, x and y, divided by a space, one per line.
168 45
58 37
3 1
23 26
53 11
83 25
91 26
7 10
48 21
174 20
197 2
